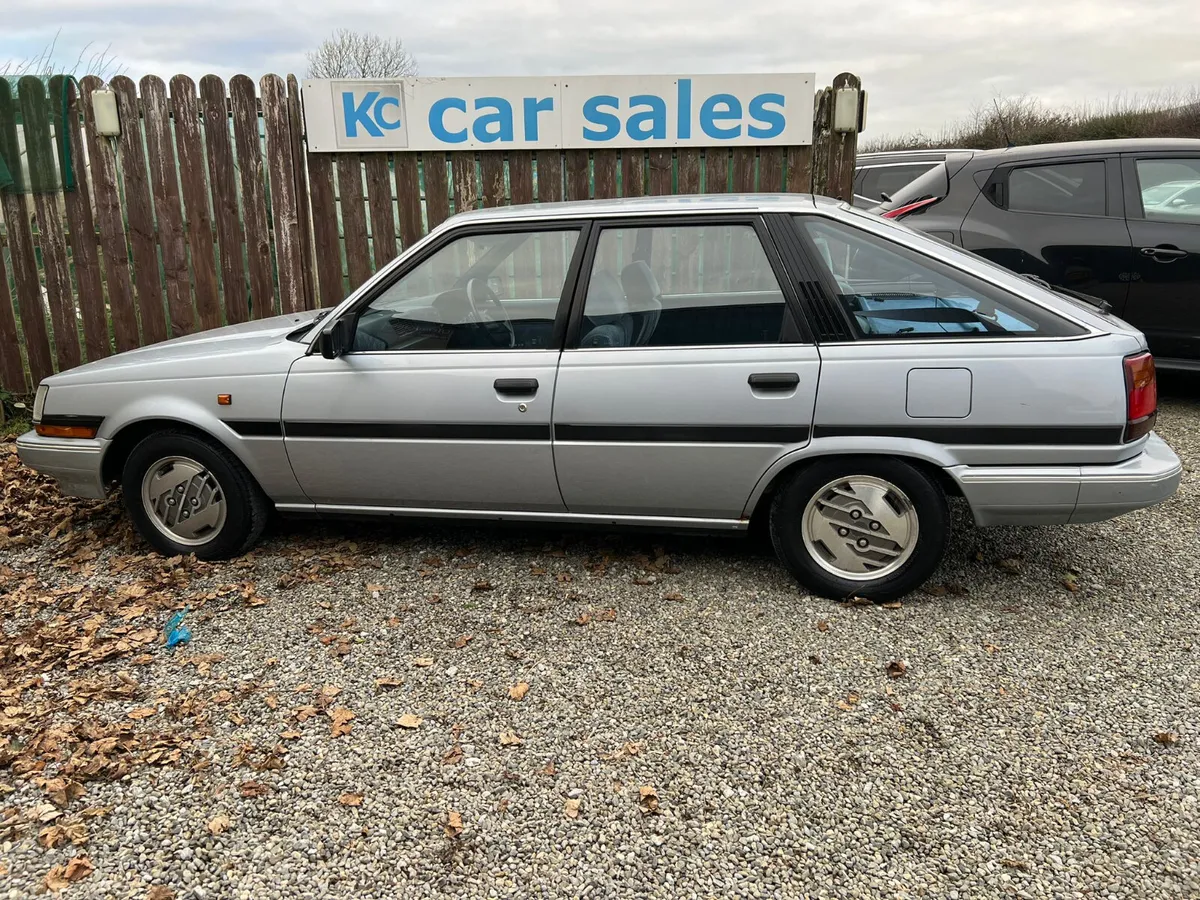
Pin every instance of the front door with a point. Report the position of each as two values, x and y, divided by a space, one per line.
1163 203
444 401
684 376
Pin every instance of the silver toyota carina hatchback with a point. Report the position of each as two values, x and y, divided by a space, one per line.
683 362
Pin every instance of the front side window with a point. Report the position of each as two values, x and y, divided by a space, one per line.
889 291
1170 189
681 286
479 292
1071 189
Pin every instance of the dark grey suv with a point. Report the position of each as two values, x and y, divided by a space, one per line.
1119 220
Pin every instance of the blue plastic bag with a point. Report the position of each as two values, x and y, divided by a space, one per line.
176 632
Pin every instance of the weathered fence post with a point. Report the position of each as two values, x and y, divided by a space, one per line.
841 146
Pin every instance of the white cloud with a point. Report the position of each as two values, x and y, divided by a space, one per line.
924 62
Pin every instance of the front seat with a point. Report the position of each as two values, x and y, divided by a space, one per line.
645 299
608 322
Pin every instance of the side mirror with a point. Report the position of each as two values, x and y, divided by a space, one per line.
337 337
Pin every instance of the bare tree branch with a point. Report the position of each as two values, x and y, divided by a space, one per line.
356 54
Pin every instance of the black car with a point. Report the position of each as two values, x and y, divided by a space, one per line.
1118 220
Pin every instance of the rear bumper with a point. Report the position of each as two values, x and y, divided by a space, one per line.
72 462
1056 495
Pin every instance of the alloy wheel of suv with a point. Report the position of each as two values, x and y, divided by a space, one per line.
869 527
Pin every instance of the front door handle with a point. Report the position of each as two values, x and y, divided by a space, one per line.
516 385
1164 253
774 381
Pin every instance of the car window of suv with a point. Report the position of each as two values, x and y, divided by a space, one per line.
479 292
890 291
1170 189
1073 189
888 179
681 286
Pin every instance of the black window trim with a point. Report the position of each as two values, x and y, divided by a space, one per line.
467 230
794 329
1133 184
1113 201
829 287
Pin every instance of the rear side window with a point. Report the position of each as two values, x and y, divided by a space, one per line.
681 286
1072 189
1170 189
891 292
880 180
933 183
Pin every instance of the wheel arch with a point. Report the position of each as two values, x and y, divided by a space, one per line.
932 464
132 433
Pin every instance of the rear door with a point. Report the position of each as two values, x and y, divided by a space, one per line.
686 373
1162 197
1062 220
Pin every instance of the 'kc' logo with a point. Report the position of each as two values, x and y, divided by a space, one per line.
372 114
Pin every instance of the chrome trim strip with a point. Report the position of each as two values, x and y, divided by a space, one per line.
517 516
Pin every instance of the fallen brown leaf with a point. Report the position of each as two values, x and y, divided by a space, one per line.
339 721
349 799
822 625
454 824
423 662
462 640
142 712
892 604
648 799
253 789
408 720
160 892
218 824
849 703
896 669
519 690
453 756
674 597
571 809
381 683
481 586
510 738
1167 738
584 619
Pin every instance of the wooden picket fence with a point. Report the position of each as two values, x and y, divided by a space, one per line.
207 210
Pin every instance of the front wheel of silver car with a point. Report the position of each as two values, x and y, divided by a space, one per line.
871 527
186 494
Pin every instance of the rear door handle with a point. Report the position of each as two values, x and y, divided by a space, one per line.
774 381
1165 253
516 385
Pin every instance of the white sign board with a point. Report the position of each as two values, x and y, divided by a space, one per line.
589 112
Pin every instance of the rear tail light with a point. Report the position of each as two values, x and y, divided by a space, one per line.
1141 389
909 208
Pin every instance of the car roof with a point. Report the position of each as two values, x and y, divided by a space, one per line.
1076 148
933 155
647 206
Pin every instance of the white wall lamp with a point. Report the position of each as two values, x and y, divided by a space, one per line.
104 111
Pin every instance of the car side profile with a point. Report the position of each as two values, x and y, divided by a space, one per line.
676 363
1119 220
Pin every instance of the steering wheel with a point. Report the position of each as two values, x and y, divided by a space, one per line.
484 304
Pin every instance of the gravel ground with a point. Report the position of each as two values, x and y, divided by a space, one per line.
343 722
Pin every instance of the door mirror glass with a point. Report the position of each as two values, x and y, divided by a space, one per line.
337 337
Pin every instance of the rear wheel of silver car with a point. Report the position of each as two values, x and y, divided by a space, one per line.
869 527
186 494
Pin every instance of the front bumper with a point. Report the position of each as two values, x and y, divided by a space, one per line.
73 462
1056 495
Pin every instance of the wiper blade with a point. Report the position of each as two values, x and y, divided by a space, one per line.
1103 305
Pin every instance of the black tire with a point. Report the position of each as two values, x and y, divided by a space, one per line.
925 497
247 509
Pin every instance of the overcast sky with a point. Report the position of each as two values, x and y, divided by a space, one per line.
925 63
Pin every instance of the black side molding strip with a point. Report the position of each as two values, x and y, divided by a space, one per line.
72 421
683 434
249 428
1055 435
417 431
